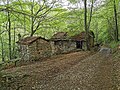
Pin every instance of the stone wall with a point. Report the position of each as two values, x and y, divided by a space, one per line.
91 41
42 48
84 46
24 52
62 46
39 49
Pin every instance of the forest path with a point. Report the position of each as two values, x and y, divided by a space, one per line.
74 71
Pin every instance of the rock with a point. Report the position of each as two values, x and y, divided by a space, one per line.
119 47
105 51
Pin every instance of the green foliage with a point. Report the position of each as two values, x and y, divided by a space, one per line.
114 44
55 20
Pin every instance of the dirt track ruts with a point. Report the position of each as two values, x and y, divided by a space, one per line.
74 71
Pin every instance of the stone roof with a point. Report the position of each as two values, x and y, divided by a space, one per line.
81 36
29 40
59 35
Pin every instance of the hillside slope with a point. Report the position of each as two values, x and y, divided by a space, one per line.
74 71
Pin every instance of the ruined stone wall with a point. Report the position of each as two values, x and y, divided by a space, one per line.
24 52
40 49
53 47
69 46
91 40
62 46
84 46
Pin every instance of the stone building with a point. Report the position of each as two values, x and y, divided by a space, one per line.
60 43
81 39
60 35
34 48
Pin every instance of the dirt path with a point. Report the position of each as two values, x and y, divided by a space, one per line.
74 71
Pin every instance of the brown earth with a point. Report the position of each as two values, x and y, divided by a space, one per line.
74 71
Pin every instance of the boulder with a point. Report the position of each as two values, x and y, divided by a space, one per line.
105 51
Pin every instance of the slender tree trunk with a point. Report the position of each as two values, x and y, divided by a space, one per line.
96 29
116 22
91 10
32 31
85 24
2 47
9 34
32 19
14 40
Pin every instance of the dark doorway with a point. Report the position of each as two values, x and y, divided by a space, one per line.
79 44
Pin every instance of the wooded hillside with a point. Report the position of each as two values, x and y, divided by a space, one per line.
22 18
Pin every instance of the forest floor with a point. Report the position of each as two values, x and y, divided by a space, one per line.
73 71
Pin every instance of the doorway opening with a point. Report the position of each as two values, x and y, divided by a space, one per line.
79 44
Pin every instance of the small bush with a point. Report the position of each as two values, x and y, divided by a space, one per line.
114 44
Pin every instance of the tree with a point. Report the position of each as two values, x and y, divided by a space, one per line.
2 47
85 24
40 15
116 22
9 31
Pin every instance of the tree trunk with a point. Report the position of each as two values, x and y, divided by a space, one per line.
2 47
85 24
14 41
9 34
96 30
116 22
91 10
32 19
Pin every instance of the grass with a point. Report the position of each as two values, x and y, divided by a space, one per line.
114 44
1 62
